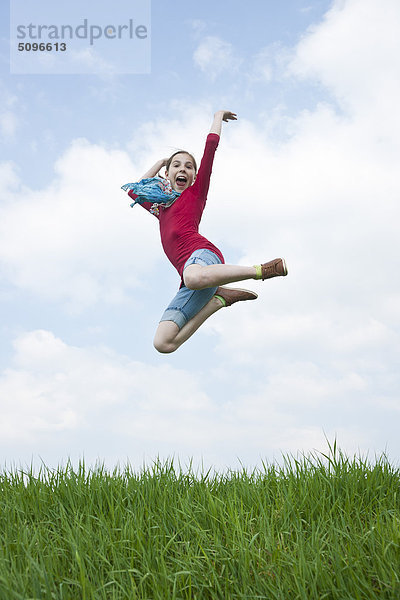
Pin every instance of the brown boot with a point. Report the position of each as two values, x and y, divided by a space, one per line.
274 268
232 295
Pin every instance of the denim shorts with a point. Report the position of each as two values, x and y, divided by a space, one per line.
187 303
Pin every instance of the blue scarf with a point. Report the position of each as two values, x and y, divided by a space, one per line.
153 189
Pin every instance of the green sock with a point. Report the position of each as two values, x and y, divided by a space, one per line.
220 298
258 271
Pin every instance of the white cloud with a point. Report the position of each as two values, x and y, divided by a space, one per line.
355 53
60 400
326 199
76 241
270 63
8 179
186 127
55 389
213 56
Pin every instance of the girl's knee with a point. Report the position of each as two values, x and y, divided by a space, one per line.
193 277
164 339
163 346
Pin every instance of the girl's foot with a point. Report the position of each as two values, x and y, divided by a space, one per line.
273 268
229 296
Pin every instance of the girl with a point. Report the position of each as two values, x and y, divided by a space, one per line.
178 202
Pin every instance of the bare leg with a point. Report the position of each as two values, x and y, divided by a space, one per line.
198 277
169 337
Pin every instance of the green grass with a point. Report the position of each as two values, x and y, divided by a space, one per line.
323 527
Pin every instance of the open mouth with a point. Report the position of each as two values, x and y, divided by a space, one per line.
181 181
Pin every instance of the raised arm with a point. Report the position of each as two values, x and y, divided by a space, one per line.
155 169
221 115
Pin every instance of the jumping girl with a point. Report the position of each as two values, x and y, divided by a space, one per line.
178 201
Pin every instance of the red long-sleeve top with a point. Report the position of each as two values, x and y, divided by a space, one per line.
179 224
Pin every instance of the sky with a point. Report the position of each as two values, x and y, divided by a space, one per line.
309 171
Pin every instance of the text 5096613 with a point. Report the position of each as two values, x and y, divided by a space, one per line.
42 47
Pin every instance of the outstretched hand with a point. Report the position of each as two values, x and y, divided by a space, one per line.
222 115
226 115
229 116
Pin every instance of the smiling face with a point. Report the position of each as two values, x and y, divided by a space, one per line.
181 171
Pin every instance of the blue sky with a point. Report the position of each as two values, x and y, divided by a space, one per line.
309 172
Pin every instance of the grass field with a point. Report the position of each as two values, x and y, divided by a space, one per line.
319 527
